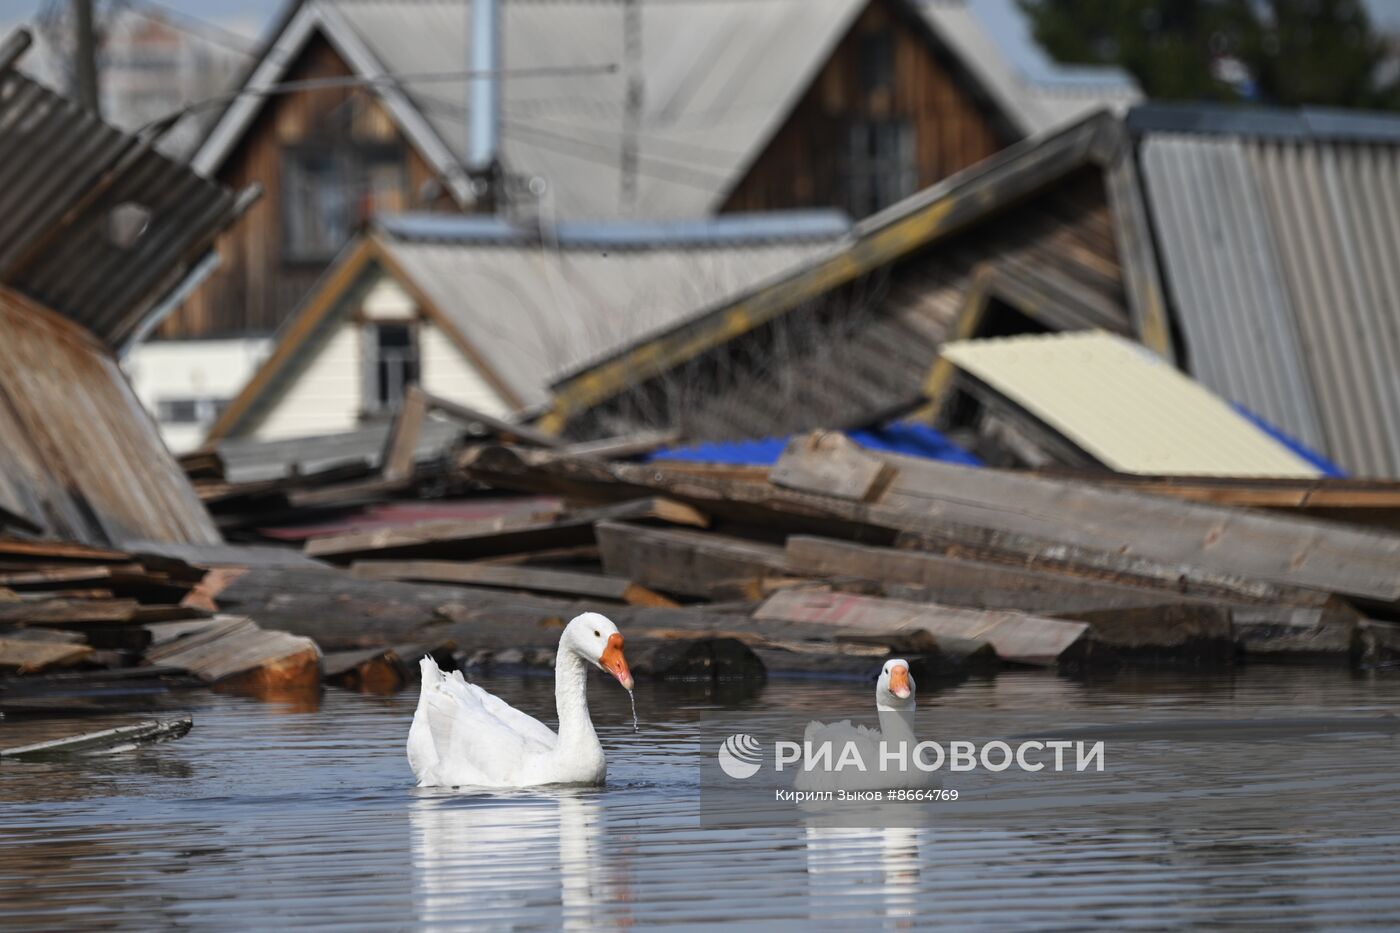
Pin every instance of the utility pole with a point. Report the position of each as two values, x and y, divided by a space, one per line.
85 50
632 105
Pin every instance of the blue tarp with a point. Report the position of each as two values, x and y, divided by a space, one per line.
906 437
1327 467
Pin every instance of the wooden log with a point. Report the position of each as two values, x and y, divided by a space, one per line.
685 562
106 741
529 579
238 653
832 464
1016 636
26 656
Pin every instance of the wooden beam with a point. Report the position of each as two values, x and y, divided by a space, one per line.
684 562
832 464
27 656
396 463
1016 636
528 579
105 741
238 653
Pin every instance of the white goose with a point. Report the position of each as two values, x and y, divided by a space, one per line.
894 701
462 735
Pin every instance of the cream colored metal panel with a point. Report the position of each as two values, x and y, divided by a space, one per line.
325 396
447 373
1124 406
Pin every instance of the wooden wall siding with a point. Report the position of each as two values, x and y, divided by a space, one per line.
800 167
79 456
254 290
865 350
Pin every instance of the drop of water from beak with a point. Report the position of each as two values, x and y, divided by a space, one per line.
633 697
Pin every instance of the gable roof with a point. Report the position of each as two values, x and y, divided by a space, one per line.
718 79
936 214
993 39
524 303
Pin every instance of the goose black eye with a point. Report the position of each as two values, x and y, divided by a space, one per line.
595 634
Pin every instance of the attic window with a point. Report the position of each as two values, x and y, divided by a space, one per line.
876 61
328 191
878 166
390 365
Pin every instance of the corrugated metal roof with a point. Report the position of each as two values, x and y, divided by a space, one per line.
992 38
93 222
536 311
251 460
1124 406
722 230
1302 123
1281 255
718 77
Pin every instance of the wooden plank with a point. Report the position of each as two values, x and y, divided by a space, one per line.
505 535
105 741
399 446
59 550
68 611
687 563
1016 636
624 447
922 576
764 505
503 429
28 657
530 579
239 653
1291 551
832 464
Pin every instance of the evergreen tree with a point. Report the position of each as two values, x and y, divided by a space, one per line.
1284 52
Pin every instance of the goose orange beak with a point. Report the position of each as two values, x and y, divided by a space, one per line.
899 682
614 663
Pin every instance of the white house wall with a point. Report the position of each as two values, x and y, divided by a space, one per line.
325 396
447 373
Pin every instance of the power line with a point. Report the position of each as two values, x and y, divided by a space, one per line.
192 25
606 155
320 84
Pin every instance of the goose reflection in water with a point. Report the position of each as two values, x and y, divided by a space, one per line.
517 860
854 873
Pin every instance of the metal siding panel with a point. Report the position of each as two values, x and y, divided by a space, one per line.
62 173
1335 206
1124 406
1224 272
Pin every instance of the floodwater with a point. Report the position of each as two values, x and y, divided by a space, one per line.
279 816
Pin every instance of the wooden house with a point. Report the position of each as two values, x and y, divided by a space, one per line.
1249 247
681 109
485 313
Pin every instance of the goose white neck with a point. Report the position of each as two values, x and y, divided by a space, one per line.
571 699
